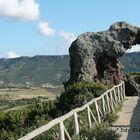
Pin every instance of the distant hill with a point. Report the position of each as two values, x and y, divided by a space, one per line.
34 71
42 70
131 62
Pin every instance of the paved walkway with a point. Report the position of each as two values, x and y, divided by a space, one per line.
128 123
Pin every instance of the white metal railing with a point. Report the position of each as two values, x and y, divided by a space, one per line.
109 100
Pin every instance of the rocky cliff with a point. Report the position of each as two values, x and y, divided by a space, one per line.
94 56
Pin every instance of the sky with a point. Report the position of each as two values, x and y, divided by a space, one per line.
48 27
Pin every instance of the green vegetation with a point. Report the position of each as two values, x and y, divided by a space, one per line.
130 75
134 73
79 94
111 117
16 123
33 71
100 132
131 62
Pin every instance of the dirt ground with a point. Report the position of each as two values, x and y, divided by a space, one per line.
128 123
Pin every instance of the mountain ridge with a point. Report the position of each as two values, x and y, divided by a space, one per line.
43 69
35 70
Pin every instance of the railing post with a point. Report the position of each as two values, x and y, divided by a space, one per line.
98 114
62 133
124 89
76 124
118 90
89 117
121 89
111 101
107 98
115 97
103 101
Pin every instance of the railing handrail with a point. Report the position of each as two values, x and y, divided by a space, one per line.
58 120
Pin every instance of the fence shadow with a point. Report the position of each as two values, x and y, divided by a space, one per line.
134 130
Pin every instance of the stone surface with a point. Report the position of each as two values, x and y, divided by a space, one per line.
128 122
132 85
94 56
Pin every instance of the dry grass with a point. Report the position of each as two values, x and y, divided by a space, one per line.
17 98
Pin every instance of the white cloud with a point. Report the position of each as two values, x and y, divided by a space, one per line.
44 29
135 48
68 37
11 54
19 9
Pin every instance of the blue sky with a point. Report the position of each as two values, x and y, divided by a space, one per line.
47 27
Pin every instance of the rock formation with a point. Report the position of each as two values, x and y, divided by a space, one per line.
94 56
132 84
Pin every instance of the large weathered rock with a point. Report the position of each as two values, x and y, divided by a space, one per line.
132 84
94 56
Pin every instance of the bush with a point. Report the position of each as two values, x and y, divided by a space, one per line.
100 132
16 123
78 94
111 117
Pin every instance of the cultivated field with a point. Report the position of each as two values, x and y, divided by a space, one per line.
17 98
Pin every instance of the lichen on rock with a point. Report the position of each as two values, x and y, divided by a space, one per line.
94 56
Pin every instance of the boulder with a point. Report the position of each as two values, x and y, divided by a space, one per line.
132 84
94 55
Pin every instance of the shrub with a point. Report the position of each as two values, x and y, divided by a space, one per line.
16 123
78 94
111 117
100 132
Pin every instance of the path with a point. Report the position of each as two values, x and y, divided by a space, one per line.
128 123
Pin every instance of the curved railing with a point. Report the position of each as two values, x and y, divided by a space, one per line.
108 101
